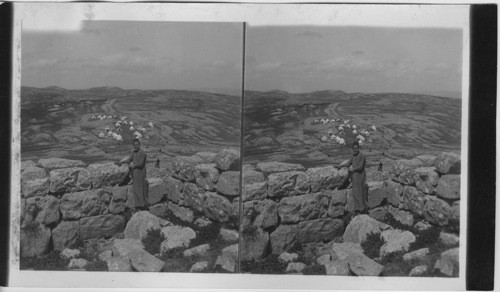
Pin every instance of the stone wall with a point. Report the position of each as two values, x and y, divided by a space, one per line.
64 201
285 204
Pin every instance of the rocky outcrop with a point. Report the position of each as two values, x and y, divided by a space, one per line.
56 163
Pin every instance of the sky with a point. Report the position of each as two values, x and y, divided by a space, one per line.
135 55
353 59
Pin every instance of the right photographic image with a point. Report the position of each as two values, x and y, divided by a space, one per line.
351 157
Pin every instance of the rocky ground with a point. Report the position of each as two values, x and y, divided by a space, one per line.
298 220
74 216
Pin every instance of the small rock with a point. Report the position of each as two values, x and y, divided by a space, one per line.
199 267
359 227
70 253
288 257
395 241
448 186
418 271
295 267
449 239
421 226
231 251
199 250
228 159
142 261
202 222
77 263
127 245
448 263
324 259
226 263
338 268
448 162
229 235
176 236
229 183
419 254
119 264
106 255
142 221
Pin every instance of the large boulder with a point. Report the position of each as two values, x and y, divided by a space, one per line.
142 261
64 180
217 207
376 193
125 246
403 217
326 178
403 170
338 200
176 237
184 167
226 263
253 246
427 160
173 188
65 234
107 174
82 204
207 157
436 211
101 226
229 183
448 186
393 192
185 214
273 167
193 196
47 209
379 214
141 222
413 200
359 227
426 179
35 241
267 214
448 163
228 159
206 176
320 230
396 241
255 191
55 163
118 199
33 172
283 238
251 176
35 187
303 207
359 264
288 183
157 190
448 263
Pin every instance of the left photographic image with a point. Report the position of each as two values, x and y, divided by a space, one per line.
130 147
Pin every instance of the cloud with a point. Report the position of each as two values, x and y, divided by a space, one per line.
357 53
310 34
135 49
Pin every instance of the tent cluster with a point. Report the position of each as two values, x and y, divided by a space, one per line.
336 133
122 122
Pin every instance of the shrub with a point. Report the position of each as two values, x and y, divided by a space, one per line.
49 262
372 244
153 240
426 238
249 232
97 265
269 265
314 269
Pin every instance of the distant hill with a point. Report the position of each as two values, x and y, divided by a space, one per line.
280 126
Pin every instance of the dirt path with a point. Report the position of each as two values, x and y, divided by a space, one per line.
332 111
107 107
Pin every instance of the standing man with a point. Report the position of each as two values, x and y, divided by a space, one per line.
138 199
359 187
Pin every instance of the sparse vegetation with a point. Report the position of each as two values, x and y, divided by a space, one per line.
96 265
49 262
372 244
314 269
269 265
153 240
